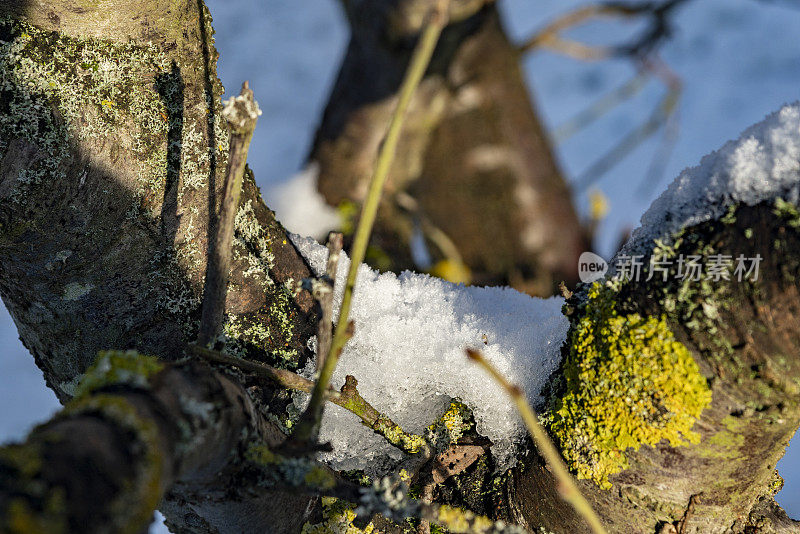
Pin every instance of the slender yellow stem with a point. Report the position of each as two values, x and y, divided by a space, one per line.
420 59
566 484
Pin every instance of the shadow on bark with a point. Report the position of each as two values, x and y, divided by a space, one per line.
103 247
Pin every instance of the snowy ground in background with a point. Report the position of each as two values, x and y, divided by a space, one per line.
745 67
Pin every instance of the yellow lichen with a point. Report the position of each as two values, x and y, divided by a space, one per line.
337 519
450 426
458 520
628 382
411 443
118 367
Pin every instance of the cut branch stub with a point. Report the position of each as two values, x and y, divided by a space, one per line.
241 113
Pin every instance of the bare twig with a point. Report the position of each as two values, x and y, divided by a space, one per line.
241 112
600 107
348 398
550 36
658 13
323 292
309 424
281 377
660 115
643 51
566 484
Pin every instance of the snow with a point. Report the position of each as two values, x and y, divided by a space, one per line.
408 356
411 329
300 207
762 165
732 76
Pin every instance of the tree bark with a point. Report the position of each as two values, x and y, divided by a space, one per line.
474 159
112 157
745 338
111 164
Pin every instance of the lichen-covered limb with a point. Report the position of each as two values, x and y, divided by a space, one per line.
110 163
137 427
676 391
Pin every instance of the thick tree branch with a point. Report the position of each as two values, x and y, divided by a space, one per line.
104 462
744 337
124 165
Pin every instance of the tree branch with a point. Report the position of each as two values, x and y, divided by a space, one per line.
241 114
348 398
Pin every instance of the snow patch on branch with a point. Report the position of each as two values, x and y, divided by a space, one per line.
408 356
762 165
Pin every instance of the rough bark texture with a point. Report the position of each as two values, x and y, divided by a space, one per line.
749 356
112 155
103 463
111 159
473 157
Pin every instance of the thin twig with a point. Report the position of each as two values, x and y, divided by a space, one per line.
566 484
307 427
633 139
659 28
549 36
281 377
599 108
323 292
348 398
242 113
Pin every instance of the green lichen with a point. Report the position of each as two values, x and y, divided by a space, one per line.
36 507
788 211
253 246
628 383
722 444
76 291
298 471
21 519
317 477
25 459
260 454
696 304
118 367
94 86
